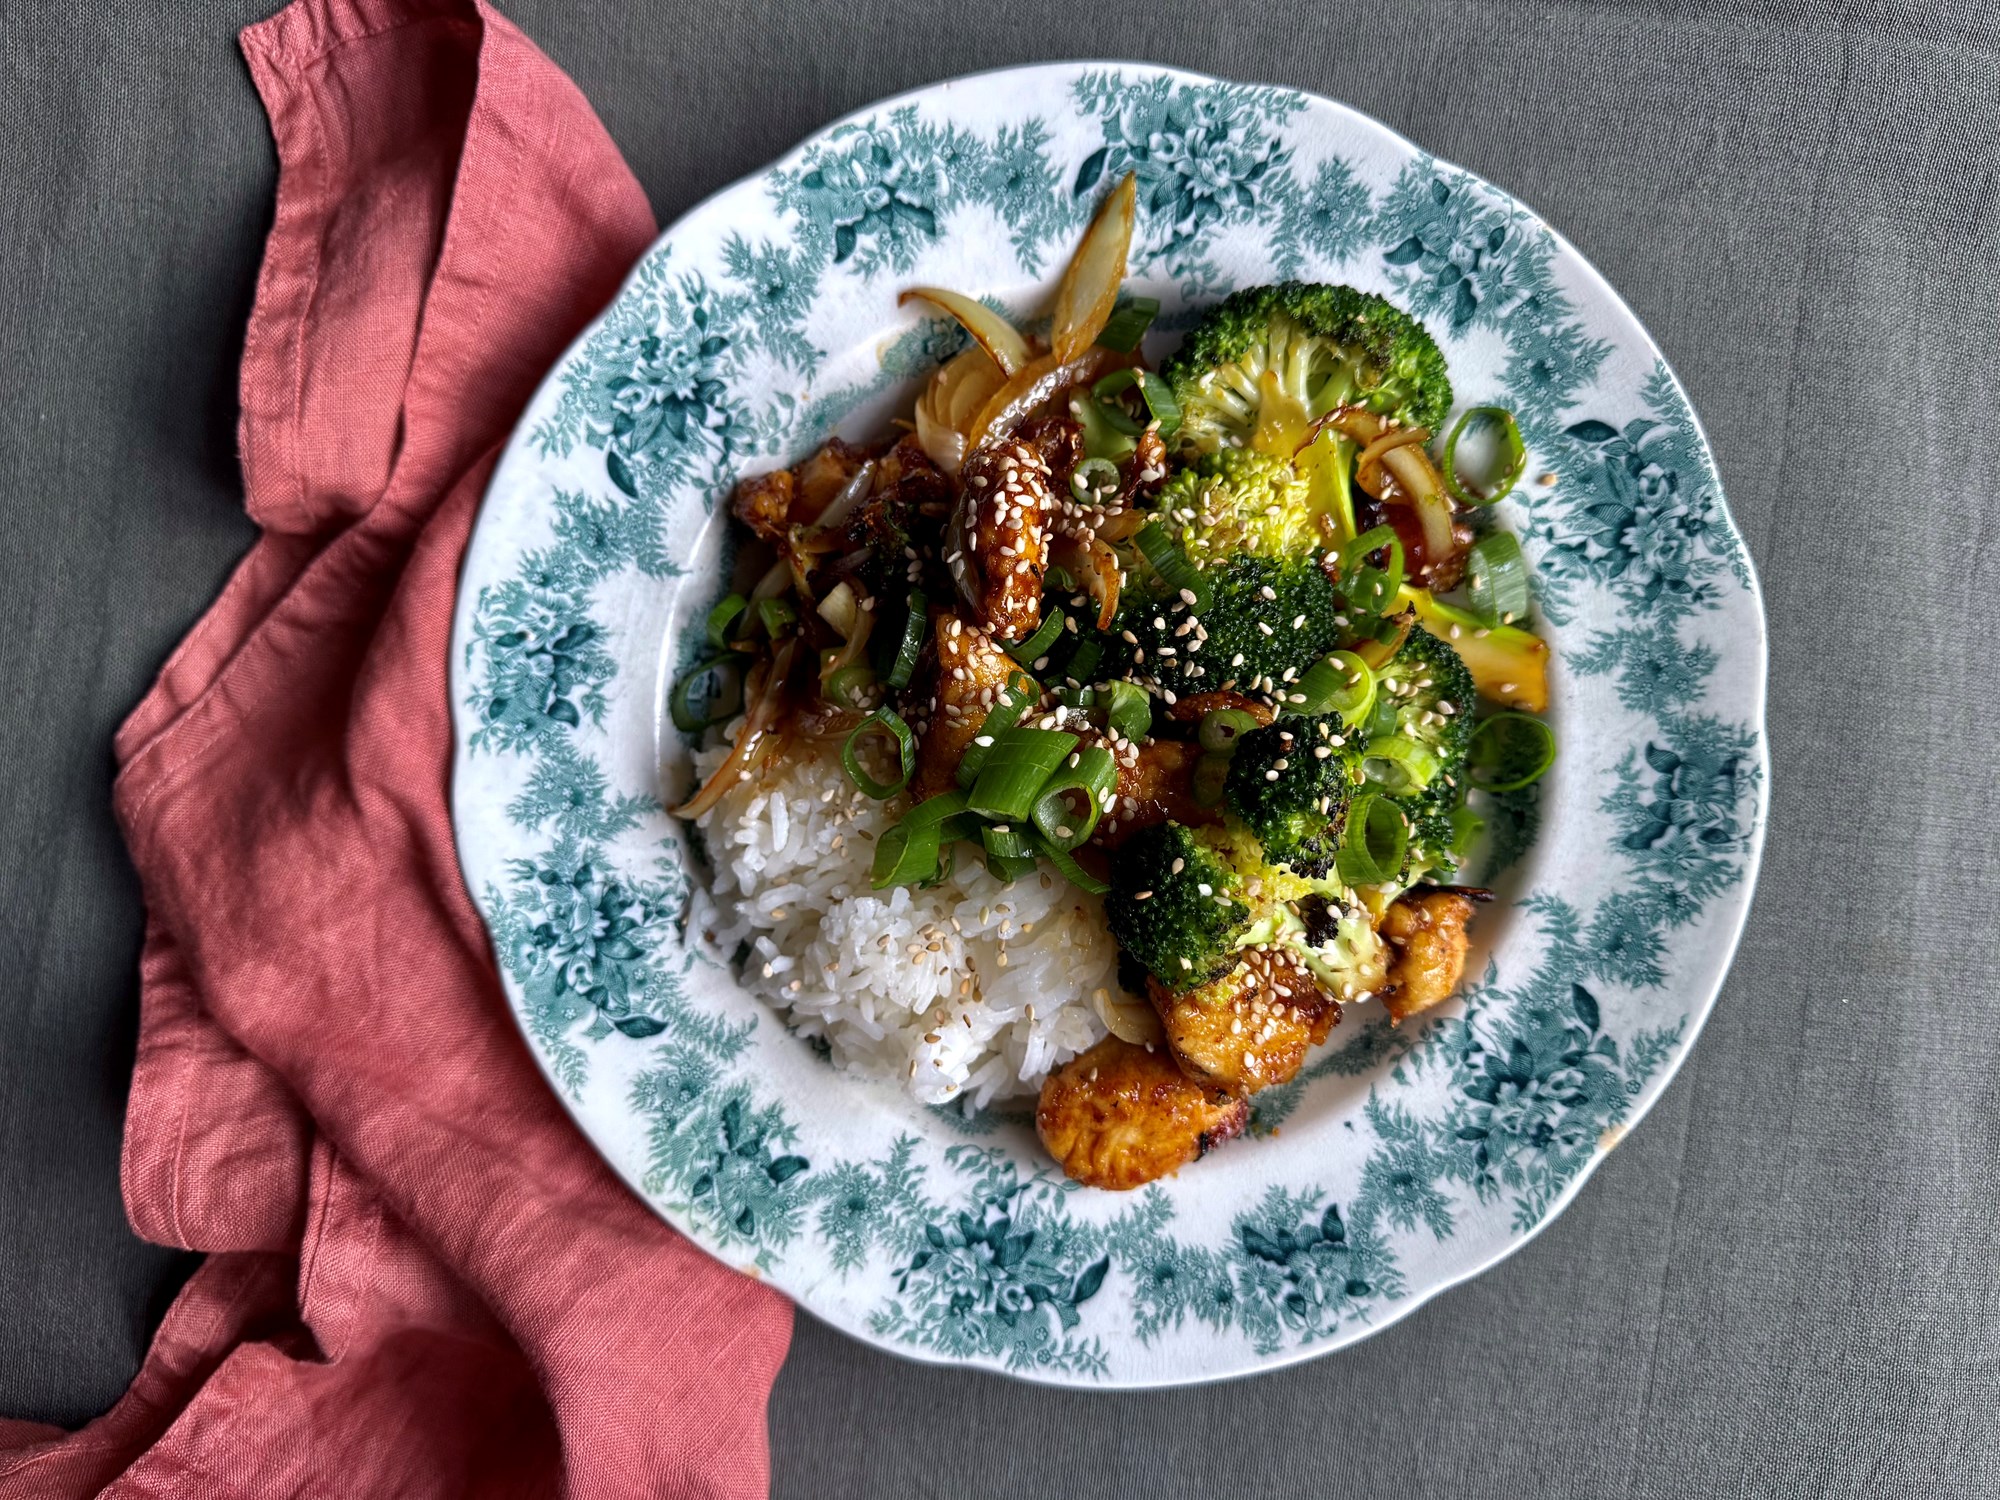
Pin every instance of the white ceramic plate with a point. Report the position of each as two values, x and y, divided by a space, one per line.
1408 1160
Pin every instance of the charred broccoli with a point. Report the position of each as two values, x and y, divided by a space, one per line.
1424 696
1266 621
1321 347
1290 783
1174 906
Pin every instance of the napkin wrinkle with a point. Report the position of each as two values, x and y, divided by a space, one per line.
420 1279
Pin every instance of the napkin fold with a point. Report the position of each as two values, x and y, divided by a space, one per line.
420 1278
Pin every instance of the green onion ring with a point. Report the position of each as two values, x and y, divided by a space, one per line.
1222 728
1016 767
1093 776
915 621
1158 396
884 721
906 855
848 686
1037 645
1129 321
776 615
1373 844
1171 563
1083 662
1410 765
1128 711
1068 868
1510 750
1015 700
1496 578
1009 854
1093 479
1513 455
722 706
722 617
1341 684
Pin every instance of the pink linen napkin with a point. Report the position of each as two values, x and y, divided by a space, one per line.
420 1279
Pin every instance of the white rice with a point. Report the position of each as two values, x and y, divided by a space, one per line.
970 990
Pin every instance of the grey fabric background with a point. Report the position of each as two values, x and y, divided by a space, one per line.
1783 1283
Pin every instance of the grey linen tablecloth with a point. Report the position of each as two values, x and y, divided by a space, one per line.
1784 1282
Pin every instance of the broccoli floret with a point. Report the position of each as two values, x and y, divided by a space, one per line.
1236 501
1184 939
1174 906
1426 693
1245 638
1290 783
1323 346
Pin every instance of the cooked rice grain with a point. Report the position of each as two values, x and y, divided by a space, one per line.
972 989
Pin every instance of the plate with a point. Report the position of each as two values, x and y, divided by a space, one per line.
1402 1160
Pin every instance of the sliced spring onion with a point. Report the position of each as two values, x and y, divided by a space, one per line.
1037 645
1100 438
882 721
776 616
1373 844
1015 700
1129 321
1009 854
1496 577
1399 763
915 620
1171 563
722 704
1509 456
1058 815
1020 761
1211 775
1341 684
1510 751
1093 480
1380 719
1160 403
722 617
1068 868
939 810
849 686
1221 728
906 854
1370 589
1380 648
1128 710
1083 661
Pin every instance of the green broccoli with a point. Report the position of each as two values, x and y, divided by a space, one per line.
1174 906
1426 694
1322 346
1267 620
1184 902
1222 504
1290 783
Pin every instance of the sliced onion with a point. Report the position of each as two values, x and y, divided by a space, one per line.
1414 474
993 333
1031 385
1092 562
839 609
1365 473
843 504
1089 288
766 698
957 390
1129 1020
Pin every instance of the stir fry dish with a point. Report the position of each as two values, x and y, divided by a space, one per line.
1108 727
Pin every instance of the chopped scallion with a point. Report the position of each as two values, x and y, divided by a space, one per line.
1496 578
1017 765
1015 700
1222 728
1400 764
1072 800
1127 710
1171 563
1068 868
882 721
1510 750
724 615
1037 645
1373 843
723 702
1129 321
1506 461
915 619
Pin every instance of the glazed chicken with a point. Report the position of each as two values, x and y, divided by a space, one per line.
1251 1027
1121 1115
1425 929
969 673
1001 538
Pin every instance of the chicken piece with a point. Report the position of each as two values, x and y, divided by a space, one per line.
1121 1115
1251 1027
1426 930
970 672
1001 538
824 476
1155 783
1059 440
764 503
1149 464
907 482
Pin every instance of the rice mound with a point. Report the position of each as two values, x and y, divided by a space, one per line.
969 991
